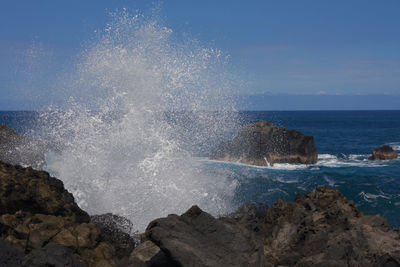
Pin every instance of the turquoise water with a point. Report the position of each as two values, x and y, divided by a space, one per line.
344 140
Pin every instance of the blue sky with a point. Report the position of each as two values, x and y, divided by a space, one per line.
308 47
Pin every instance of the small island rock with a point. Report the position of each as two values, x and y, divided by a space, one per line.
264 144
383 153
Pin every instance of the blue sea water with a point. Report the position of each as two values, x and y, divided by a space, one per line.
344 140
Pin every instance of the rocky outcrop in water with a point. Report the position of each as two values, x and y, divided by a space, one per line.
40 219
383 153
21 150
321 228
263 143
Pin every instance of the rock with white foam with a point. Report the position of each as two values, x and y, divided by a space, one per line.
383 153
265 144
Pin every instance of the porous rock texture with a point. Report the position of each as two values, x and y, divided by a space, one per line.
383 153
264 144
321 228
40 219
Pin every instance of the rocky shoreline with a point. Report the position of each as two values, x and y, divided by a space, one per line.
41 224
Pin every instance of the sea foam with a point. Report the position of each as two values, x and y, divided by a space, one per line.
123 145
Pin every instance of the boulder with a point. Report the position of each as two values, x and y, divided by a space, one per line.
264 144
383 153
197 239
21 150
39 218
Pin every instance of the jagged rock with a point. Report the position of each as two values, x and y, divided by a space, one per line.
323 228
51 255
197 239
10 256
149 254
383 153
21 150
40 218
250 210
263 143
28 190
250 215
117 231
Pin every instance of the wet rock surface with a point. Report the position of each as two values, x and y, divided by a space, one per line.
118 231
263 144
383 153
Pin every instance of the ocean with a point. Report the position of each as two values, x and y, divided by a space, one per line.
344 140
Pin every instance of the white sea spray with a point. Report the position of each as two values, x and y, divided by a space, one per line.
140 105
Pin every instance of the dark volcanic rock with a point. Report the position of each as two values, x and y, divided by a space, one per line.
40 218
41 225
149 254
383 153
10 256
51 255
28 190
21 150
198 239
263 143
116 230
321 228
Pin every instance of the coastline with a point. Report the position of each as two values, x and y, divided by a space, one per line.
309 231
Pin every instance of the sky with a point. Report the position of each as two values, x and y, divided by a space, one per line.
310 48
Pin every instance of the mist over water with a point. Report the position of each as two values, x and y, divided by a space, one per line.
141 106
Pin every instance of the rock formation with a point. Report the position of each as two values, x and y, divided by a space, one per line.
321 228
383 153
41 225
198 239
40 219
263 143
21 150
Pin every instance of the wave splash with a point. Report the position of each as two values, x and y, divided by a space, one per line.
141 105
